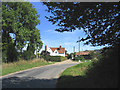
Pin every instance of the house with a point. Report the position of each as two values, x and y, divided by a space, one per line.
83 53
56 51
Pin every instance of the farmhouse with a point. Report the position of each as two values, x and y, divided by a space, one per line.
56 51
83 53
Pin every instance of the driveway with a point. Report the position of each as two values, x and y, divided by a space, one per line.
42 77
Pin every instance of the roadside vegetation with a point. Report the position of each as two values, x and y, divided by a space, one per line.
77 70
19 30
22 65
100 73
54 58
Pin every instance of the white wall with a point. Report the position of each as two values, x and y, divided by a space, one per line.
55 54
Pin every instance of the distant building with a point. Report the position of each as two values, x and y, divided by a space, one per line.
56 51
83 53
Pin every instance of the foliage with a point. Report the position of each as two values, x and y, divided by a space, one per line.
82 67
19 20
99 20
94 54
45 53
8 68
27 55
66 52
70 76
79 58
63 58
69 56
98 74
54 58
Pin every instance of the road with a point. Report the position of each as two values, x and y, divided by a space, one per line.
42 77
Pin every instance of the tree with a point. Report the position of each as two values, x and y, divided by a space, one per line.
66 52
45 53
19 20
99 20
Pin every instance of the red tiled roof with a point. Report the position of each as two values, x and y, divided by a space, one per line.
82 53
66 55
60 50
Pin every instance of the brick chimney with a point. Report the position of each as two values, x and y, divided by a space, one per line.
60 46
45 47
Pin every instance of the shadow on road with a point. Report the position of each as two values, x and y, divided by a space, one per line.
102 74
28 82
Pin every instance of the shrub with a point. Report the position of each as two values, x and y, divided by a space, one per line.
4 56
54 58
94 54
79 58
63 58
27 55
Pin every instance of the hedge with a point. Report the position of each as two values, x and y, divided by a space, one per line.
54 58
79 58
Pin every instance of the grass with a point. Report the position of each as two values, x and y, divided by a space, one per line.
102 73
8 68
77 70
70 78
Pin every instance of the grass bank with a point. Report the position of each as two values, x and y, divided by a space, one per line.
103 73
77 70
8 68
70 78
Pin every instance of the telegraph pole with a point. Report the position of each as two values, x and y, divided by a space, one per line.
79 45
73 49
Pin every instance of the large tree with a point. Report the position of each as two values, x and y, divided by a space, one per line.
19 20
100 21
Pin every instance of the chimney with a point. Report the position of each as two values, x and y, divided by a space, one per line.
45 47
60 46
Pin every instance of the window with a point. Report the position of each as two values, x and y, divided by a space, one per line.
56 52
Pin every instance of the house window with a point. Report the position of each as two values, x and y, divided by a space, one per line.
55 52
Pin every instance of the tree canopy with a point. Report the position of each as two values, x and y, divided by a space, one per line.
19 20
99 20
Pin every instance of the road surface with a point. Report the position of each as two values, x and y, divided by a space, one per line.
42 77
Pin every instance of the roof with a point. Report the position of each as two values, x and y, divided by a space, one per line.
82 53
66 55
60 50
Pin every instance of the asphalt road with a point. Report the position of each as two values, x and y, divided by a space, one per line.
42 77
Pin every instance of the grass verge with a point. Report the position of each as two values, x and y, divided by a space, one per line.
77 70
8 68
70 78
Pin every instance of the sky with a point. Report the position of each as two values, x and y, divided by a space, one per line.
52 38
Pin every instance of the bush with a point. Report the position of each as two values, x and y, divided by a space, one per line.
105 69
94 54
79 58
54 58
63 58
4 56
27 55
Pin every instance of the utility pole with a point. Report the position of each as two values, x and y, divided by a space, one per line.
73 49
79 45
74 52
